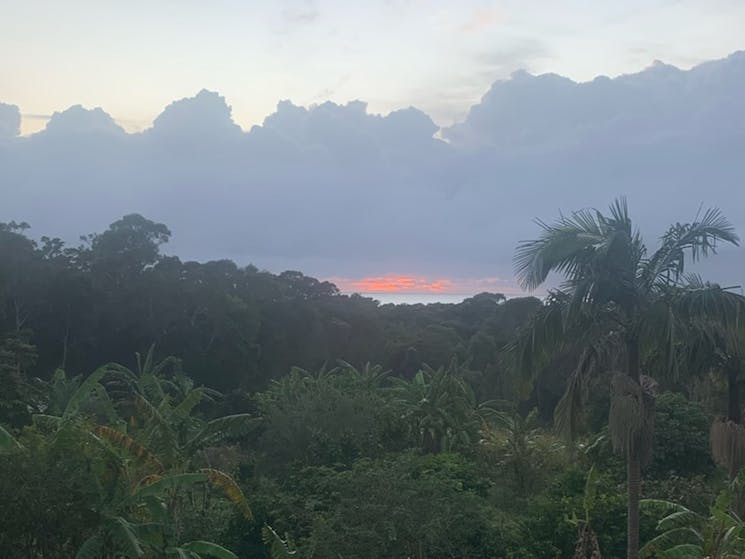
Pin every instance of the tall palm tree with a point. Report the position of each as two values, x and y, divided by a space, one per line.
614 292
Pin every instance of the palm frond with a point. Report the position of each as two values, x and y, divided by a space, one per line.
697 239
631 415
559 248
542 338
568 414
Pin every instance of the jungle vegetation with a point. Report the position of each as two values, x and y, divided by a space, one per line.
156 408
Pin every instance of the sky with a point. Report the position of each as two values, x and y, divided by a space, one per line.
401 146
133 58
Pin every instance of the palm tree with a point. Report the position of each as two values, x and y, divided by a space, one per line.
610 303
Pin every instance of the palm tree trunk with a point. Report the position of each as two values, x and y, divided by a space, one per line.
734 407
633 463
632 355
633 480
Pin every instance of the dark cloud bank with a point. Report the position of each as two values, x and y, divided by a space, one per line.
335 191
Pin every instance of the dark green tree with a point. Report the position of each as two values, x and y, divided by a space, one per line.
613 293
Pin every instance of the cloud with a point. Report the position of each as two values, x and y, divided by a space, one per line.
10 121
414 283
508 57
301 13
395 283
446 99
203 119
482 18
334 190
536 112
80 122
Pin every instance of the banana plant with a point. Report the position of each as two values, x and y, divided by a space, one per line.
160 410
686 534
139 516
141 525
440 408
587 546
8 442
278 548
69 397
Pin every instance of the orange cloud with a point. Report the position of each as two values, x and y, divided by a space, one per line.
397 283
412 283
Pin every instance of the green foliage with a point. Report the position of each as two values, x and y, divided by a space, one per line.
402 459
440 409
551 516
681 438
232 326
401 505
326 417
207 549
685 533
523 453
7 441
47 488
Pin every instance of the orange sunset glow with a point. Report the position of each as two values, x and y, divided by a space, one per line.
413 283
396 283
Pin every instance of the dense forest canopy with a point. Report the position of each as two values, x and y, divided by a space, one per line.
157 408
232 326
